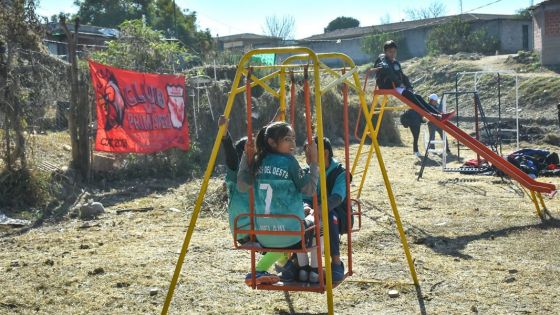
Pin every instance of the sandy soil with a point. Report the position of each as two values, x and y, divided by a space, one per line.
477 243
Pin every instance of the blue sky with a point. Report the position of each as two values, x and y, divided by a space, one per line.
226 17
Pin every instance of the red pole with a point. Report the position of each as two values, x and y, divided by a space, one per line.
306 95
347 162
477 135
250 160
356 135
293 100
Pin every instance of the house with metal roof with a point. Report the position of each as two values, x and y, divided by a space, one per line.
246 41
89 37
513 32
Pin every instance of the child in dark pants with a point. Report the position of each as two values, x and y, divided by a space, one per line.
389 75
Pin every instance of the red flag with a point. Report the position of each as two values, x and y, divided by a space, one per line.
139 112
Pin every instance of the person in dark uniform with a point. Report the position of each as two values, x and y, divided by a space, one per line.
389 75
433 100
413 120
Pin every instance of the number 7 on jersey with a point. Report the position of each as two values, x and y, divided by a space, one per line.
268 198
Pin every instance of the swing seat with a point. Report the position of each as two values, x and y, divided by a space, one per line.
256 246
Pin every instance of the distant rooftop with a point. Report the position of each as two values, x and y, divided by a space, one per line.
55 29
416 24
245 36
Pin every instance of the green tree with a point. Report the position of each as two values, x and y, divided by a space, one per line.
161 15
373 44
141 48
342 22
168 18
459 36
523 13
111 13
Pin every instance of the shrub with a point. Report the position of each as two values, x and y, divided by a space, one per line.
373 44
458 36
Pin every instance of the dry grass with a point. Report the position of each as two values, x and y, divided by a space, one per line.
478 247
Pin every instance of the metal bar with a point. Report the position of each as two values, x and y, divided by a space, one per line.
517 110
249 110
476 127
341 79
292 101
323 183
200 198
347 164
457 112
308 123
254 83
534 199
282 92
499 136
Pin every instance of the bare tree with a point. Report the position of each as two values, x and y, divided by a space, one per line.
283 27
433 10
385 19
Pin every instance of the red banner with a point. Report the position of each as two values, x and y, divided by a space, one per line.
139 112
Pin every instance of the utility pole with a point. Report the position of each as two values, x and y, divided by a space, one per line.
175 19
461 6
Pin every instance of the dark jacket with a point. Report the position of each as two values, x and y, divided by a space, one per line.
390 75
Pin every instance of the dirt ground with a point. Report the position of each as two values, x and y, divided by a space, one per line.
477 243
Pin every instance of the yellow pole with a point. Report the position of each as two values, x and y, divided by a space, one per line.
323 184
535 202
395 212
389 190
541 200
380 118
282 91
200 198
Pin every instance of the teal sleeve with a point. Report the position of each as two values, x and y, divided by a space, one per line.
305 182
244 176
339 187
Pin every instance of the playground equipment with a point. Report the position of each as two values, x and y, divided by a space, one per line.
479 116
304 60
477 76
494 141
536 188
299 60
197 84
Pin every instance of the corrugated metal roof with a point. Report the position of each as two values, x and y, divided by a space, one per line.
245 36
399 26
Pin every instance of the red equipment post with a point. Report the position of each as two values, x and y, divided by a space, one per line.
306 95
292 100
250 161
347 157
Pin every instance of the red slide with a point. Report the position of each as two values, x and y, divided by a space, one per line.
478 147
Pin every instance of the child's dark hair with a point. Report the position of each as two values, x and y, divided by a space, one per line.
326 144
240 147
275 131
389 44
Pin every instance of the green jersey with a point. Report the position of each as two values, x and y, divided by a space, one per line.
238 204
278 190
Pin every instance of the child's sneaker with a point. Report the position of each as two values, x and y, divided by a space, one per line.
337 272
314 275
303 274
289 272
261 277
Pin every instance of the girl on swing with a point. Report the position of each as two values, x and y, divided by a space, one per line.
279 184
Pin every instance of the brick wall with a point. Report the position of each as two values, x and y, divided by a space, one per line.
537 30
552 23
